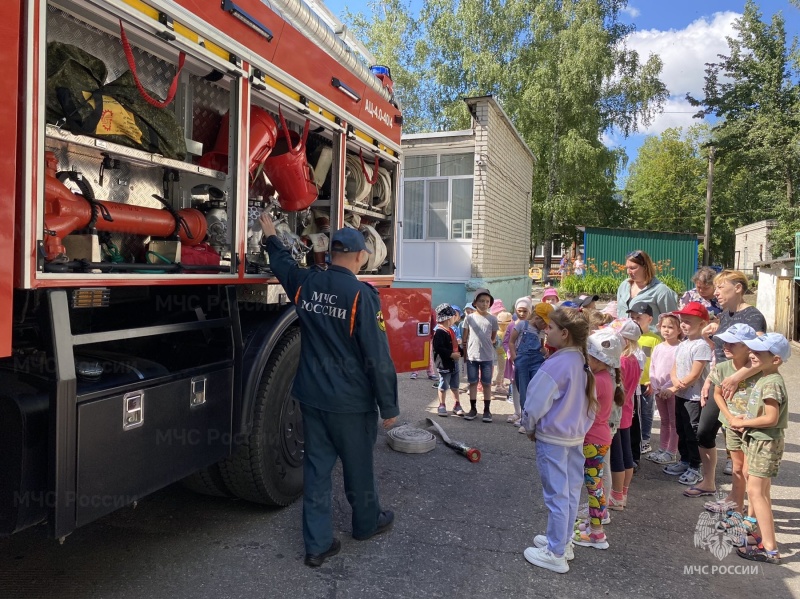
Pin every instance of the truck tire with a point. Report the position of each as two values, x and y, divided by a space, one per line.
267 467
207 481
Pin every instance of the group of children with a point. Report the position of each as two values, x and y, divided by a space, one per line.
579 375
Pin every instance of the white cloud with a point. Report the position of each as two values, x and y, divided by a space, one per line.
684 52
631 11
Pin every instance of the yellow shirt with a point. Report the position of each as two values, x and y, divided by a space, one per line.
647 342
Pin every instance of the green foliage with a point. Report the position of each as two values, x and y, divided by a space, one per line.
590 283
607 284
755 95
605 279
561 70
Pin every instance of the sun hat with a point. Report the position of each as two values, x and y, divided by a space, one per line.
774 343
737 333
480 292
542 310
526 303
444 312
693 309
550 291
606 345
504 317
497 307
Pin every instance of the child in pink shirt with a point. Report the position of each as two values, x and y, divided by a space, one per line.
661 363
604 348
621 453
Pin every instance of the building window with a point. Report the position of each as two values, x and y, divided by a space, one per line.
420 166
437 196
557 250
413 209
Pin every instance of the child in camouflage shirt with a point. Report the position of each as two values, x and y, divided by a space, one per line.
738 356
764 426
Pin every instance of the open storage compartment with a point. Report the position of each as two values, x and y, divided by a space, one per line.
127 190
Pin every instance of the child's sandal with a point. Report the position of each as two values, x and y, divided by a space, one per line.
735 521
757 553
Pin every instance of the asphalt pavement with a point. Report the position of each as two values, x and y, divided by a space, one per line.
460 531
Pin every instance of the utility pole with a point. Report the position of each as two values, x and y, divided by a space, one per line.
709 193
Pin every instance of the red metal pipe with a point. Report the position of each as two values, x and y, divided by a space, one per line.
66 212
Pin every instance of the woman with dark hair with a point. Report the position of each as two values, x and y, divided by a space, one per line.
703 291
643 286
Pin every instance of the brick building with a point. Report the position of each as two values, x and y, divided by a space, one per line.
466 209
752 245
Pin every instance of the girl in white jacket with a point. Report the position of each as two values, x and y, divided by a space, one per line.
560 408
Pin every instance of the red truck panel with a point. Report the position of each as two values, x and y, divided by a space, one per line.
10 74
404 312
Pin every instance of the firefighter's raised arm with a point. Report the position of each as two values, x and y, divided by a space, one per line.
281 262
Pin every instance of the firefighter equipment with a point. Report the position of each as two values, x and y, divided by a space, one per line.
288 170
66 212
471 453
77 97
263 134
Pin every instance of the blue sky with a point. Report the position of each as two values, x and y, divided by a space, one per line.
685 33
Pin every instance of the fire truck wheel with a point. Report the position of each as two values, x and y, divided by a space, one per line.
267 467
207 481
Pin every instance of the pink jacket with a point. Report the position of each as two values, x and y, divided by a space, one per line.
631 373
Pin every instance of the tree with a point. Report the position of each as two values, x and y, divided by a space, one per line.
396 40
666 183
754 93
564 76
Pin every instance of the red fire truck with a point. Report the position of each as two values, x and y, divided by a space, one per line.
143 338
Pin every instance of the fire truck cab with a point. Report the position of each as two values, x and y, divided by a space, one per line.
143 337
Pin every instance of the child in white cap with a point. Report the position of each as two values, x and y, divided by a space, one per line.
605 349
764 428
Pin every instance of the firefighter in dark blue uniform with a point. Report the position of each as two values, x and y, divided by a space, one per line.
345 377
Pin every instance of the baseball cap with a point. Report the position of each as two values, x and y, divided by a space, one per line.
457 309
627 328
569 304
641 309
444 312
605 345
774 343
585 300
469 307
737 333
348 239
693 309
542 310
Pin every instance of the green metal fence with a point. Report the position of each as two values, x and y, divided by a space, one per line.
675 252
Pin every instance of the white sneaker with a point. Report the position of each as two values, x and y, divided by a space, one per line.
542 557
522 430
540 541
